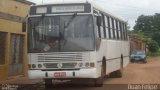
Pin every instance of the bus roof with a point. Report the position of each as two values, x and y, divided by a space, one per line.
93 4
104 10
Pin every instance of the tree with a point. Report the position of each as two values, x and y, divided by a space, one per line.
149 25
153 46
156 37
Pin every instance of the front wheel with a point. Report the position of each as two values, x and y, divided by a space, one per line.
48 83
99 81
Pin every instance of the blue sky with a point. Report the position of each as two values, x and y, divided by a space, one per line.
128 9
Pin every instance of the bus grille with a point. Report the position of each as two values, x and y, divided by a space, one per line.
62 57
64 65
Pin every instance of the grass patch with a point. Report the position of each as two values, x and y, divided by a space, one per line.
152 54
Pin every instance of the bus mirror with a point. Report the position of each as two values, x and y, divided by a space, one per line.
99 20
23 26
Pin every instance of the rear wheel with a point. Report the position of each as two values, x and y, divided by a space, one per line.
99 82
118 73
48 83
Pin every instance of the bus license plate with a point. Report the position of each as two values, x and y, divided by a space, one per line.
60 74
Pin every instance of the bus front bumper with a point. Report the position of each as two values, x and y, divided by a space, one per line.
82 73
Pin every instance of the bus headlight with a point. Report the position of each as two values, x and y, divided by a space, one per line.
87 65
80 64
29 66
92 64
33 66
39 66
75 64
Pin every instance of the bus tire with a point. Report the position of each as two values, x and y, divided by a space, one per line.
119 73
99 81
116 74
48 83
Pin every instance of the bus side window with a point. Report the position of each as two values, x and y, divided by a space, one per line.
102 29
121 30
113 31
103 25
97 30
117 30
106 26
126 32
109 29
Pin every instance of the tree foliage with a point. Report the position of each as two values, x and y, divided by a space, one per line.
148 24
148 27
156 37
153 46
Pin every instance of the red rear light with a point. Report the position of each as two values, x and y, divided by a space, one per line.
29 66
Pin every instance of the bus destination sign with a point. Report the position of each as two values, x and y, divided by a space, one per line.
60 8
71 8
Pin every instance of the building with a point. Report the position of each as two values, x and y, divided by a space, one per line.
13 42
136 43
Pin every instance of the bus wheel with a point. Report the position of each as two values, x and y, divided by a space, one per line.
48 83
119 73
99 81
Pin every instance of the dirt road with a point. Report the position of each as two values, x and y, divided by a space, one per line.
134 73
139 73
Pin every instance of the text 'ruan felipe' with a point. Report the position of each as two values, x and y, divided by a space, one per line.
142 87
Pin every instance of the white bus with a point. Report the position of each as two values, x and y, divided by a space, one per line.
88 42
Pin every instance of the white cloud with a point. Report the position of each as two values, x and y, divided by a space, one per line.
139 3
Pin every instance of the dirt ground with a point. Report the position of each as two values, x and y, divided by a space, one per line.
134 73
139 73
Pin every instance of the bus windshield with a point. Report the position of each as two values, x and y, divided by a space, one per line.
66 33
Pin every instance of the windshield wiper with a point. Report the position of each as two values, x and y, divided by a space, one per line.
69 22
61 37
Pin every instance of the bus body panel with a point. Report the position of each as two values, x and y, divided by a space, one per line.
82 73
112 51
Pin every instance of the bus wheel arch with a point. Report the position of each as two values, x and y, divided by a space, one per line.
99 81
122 61
104 66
